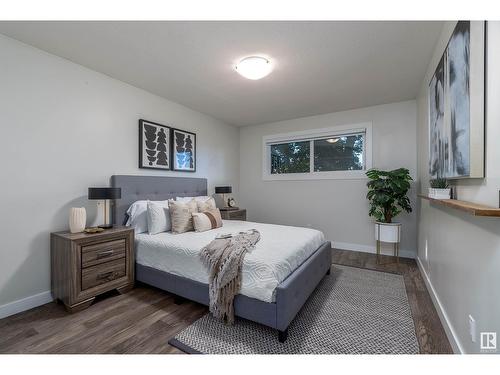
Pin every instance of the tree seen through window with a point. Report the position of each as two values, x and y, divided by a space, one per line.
337 153
290 157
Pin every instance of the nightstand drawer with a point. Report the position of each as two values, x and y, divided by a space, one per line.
103 252
103 273
240 214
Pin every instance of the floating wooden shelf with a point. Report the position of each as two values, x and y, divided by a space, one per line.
472 208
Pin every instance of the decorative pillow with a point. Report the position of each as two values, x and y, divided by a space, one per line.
207 220
181 215
138 215
158 217
206 205
187 199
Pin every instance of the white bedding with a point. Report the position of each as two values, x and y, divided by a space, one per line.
279 252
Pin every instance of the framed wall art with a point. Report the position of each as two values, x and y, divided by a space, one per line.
154 145
456 106
183 150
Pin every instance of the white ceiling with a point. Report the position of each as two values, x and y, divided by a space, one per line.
320 67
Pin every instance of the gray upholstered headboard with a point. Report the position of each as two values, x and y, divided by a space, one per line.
156 188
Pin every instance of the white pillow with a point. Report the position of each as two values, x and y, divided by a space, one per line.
158 217
138 215
187 199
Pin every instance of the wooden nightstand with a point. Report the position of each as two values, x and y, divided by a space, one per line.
86 265
239 214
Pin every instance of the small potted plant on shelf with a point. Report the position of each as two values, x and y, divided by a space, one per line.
440 189
387 195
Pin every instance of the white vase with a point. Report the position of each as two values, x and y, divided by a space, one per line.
77 219
388 232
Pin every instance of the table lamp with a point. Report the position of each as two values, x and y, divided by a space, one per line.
105 194
224 190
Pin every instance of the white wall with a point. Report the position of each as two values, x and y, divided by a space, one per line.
65 128
337 207
459 253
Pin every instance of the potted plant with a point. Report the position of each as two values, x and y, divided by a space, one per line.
387 195
440 189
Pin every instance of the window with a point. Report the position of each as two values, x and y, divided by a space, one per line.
344 153
339 152
292 157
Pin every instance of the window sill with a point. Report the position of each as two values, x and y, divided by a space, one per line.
338 175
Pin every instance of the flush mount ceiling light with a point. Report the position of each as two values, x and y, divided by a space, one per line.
254 67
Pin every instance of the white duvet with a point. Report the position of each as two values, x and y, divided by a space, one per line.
279 252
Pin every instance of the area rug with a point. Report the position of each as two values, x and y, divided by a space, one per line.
353 311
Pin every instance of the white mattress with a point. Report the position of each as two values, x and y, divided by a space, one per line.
279 252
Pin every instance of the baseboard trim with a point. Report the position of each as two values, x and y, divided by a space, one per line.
25 304
445 321
368 249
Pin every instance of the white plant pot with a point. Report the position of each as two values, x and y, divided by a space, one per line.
77 219
388 232
439 193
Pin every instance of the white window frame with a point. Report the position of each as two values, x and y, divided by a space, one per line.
308 135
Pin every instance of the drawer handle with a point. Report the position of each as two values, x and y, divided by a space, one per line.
104 275
104 254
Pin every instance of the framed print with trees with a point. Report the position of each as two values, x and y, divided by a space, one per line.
183 150
154 145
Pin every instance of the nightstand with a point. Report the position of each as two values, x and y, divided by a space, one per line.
86 265
239 214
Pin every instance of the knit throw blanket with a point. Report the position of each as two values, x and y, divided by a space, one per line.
224 259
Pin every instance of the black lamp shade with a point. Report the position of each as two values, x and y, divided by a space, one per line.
223 190
105 193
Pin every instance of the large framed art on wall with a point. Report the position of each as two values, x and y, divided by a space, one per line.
456 105
154 145
183 150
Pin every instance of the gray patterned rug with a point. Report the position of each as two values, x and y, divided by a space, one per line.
353 311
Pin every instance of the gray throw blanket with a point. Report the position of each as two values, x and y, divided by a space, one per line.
224 259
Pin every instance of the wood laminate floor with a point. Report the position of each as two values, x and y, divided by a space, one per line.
143 320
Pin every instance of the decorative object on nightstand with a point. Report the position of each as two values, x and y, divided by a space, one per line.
94 230
236 214
231 203
77 219
105 194
224 190
86 265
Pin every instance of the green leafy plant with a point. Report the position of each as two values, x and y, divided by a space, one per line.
439 183
387 193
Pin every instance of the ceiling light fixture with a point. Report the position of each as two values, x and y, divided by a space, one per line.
254 67
332 140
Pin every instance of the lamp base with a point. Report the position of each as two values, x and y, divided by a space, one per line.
106 226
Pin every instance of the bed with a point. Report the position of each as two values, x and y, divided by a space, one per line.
278 275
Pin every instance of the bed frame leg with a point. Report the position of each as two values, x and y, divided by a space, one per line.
179 300
283 335
329 271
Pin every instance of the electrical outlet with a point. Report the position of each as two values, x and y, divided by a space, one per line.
472 328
